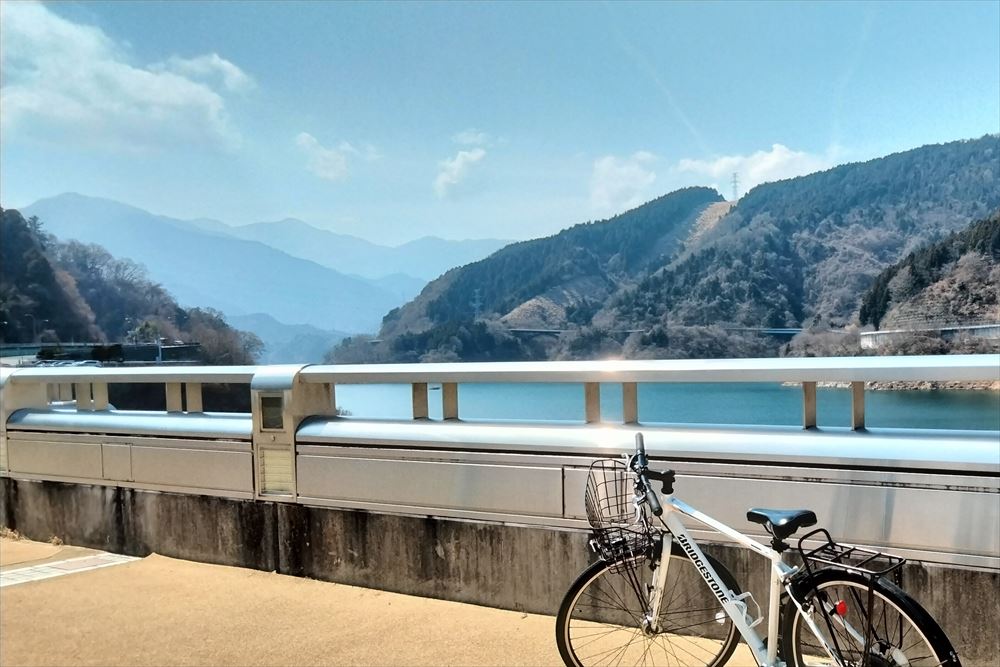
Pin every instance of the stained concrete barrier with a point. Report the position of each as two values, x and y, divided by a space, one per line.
506 566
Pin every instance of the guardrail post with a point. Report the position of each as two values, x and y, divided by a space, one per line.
14 397
174 403
449 400
100 391
592 402
279 403
65 391
858 406
420 400
84 400
630 403
808 405
192 397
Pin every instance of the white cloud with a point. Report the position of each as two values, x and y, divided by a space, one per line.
761 167
327 163
64 81
455 170
211 67
618 184
368 153
472 137
332 164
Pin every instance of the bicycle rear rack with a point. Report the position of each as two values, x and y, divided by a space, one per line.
866 562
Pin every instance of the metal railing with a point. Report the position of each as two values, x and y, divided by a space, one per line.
808 372
591 374
294 448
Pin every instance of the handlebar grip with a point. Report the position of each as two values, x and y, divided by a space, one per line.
640 450
654 502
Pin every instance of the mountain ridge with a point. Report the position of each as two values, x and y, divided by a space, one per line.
237 276
550 267
795 253
803 251
424 258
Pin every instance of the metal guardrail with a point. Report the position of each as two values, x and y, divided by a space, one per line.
875 486
88 386
807 371
873 339
134 375
970 367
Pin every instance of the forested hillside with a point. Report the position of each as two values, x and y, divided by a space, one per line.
34 294
804 251
795 253
952 282
55 291
549 282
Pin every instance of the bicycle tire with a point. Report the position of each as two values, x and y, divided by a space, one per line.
601 589
903 632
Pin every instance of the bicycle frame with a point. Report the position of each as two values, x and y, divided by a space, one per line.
766 654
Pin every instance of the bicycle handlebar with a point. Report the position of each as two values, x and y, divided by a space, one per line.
654 502
640 451
641 466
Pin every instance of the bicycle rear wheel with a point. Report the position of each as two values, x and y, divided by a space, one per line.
601 619
899 631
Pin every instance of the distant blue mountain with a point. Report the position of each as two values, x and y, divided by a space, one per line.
204 267
404 286
288 343
425 258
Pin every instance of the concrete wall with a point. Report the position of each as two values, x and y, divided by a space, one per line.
138 523
513 567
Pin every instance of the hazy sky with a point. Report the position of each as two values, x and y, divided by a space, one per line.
394 121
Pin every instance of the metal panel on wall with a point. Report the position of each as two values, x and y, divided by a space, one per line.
216 466
50 457
117 461
506 489
193 468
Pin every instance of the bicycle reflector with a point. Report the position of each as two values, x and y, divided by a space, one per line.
840 608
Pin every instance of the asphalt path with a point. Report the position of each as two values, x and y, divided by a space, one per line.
162 611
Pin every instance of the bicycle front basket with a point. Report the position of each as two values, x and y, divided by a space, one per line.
618 535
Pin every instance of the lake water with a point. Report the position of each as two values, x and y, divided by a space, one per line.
701 403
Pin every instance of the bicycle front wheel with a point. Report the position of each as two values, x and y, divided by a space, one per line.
603 620
895 631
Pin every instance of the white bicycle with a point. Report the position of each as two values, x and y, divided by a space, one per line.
655 598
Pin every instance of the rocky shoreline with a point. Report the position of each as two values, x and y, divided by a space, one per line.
925 385
933 385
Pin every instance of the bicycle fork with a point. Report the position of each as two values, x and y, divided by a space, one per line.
659 586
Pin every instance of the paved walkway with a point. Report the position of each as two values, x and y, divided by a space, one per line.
17 553
162 611
59 568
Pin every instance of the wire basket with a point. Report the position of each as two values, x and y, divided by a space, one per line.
619 535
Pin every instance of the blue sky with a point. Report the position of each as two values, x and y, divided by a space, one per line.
393 121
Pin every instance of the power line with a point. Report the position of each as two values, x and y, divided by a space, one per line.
736 186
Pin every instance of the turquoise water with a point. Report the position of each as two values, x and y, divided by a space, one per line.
748 403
